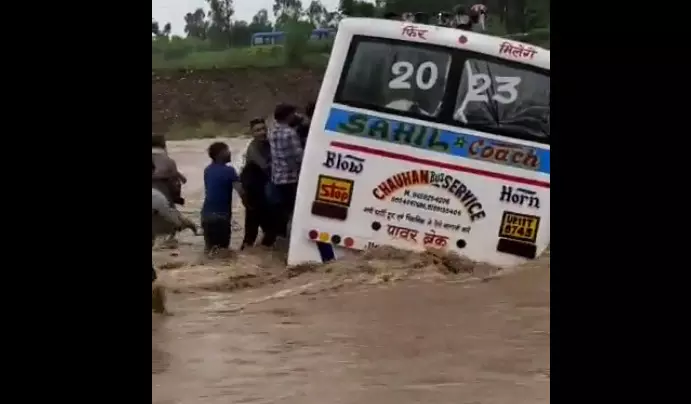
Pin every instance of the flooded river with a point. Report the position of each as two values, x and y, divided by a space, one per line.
389 329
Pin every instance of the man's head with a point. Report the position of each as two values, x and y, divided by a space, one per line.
258 128
284 113
158 141
219 152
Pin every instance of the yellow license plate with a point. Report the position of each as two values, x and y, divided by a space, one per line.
520 227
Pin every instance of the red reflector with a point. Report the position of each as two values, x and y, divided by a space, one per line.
313 234
348 242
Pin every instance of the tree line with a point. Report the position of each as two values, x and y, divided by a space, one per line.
219 29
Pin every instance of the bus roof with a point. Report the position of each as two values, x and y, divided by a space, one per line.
508 49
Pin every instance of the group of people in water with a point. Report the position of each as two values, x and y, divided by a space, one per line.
267 185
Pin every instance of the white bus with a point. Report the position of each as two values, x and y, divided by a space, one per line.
427 137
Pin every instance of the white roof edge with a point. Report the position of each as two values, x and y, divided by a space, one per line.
444 36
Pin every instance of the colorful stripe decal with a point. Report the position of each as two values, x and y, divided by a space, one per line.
459 144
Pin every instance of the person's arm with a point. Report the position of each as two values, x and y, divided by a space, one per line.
163 168
236 185
255 155
159 204
173 167
238 188
169 170
295 146
159 175
182 177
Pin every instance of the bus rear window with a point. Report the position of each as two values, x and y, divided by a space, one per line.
496 97
397 77
446 85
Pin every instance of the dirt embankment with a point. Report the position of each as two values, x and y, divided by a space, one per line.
233 96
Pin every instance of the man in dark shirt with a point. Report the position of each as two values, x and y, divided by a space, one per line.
219 181
255 177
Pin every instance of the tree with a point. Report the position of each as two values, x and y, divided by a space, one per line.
221 13
316 13
364 9
355 8
260 21
347 7
286 11
241 33
287 8
332 19
196 25
261 18
155 29
297 34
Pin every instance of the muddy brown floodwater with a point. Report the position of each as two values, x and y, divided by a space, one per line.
383 330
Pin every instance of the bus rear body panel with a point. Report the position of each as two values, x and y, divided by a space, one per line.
427 137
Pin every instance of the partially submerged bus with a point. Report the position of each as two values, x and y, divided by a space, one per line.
427 137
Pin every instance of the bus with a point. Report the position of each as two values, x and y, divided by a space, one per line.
277 37
320 34
267 38
425 137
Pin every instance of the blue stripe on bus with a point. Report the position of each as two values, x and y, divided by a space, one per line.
457 143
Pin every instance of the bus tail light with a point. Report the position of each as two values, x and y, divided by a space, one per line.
334 239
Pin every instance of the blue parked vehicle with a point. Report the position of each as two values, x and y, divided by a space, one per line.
277 37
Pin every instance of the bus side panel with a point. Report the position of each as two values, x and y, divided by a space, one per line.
302 249
356 192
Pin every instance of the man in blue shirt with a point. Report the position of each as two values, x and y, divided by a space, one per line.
219 182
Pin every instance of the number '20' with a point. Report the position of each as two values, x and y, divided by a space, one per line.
403 70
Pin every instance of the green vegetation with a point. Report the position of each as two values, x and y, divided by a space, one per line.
216 40
179 53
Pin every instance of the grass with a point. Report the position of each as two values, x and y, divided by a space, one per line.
206 130
229 58
175 56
